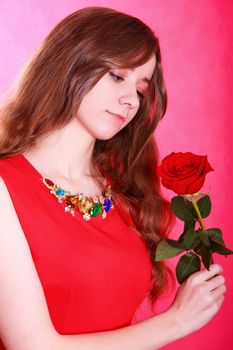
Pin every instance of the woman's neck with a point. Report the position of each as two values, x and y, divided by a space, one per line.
64 156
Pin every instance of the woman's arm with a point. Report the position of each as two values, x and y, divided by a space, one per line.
25 322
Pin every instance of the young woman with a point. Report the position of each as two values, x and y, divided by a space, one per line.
81 210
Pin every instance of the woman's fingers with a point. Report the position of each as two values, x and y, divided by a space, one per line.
215 306
214 283
205 275
218 293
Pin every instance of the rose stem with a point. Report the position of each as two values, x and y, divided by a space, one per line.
201 222
198 214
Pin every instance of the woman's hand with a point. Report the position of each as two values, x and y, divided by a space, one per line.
198 299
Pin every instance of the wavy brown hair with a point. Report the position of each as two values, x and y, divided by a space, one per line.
69 62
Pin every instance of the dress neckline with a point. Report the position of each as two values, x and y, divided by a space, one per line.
31 166
104 206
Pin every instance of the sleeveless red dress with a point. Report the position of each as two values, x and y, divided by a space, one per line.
94 273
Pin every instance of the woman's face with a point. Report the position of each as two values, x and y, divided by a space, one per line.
114 101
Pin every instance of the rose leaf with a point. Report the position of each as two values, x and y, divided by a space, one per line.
182 208
191 239
176 244
215 235
217 248
204 205
203 237
190 222
206 255
166 251
188 264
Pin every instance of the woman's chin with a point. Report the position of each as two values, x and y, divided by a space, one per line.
106 134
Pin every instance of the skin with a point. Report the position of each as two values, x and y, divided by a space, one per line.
118 91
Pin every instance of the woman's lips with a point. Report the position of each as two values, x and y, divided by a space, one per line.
117 116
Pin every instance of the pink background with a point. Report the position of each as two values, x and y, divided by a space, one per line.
196 39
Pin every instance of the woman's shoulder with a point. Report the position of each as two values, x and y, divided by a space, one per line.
19 278
7 163
12 168
8 216
11 229
6 204
7 209
3 188
11 158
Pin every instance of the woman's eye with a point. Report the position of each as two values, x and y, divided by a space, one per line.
115 76
119 78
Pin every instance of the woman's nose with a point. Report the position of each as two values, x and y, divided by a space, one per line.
130 98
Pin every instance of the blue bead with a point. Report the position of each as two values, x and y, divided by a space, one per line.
60 192
107 205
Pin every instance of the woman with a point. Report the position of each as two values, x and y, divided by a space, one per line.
81 210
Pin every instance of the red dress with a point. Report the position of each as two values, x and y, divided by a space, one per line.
94 273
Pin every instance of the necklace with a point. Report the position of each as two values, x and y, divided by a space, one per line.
88 206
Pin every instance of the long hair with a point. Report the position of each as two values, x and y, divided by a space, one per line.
69 62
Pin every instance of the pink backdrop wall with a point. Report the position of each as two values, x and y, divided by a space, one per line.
196 40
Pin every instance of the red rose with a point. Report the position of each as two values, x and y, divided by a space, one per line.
184 173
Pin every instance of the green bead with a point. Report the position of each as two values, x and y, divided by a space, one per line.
96 209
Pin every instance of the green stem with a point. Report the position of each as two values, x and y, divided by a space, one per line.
201 222
198 214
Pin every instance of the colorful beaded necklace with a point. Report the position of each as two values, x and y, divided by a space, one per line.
88 206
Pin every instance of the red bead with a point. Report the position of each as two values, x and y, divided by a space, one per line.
48 183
